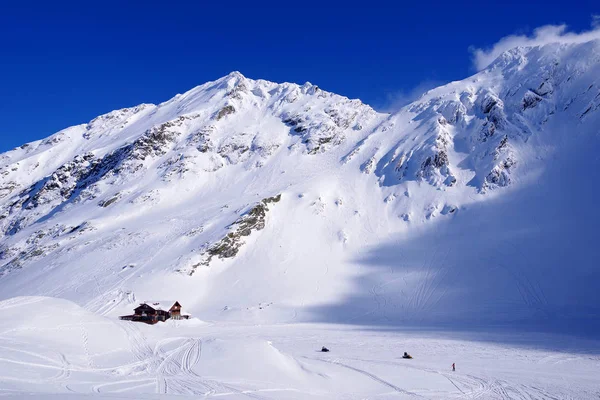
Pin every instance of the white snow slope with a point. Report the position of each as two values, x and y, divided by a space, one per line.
255 203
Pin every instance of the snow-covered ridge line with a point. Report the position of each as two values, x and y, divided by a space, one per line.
125 202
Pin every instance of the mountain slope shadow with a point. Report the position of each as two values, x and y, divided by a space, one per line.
522 261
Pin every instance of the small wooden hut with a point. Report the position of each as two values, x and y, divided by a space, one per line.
153 312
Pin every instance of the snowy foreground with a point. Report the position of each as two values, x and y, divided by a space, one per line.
62 351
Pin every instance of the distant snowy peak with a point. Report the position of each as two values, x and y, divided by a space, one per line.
232 95
231 121
490 117
234 118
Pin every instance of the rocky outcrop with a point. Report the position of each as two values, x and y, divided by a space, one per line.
229 246
323 130
500 175
75 180
7 188
62 183
225 111
530 100
495 118
40 244
113 199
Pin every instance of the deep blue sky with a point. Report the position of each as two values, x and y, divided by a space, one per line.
64 63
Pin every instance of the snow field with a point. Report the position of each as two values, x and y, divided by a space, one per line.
61 349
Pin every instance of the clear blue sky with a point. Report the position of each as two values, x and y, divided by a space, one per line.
63 63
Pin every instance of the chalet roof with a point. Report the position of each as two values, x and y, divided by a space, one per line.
162 305
144 305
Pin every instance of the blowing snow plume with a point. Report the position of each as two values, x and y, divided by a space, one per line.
547 34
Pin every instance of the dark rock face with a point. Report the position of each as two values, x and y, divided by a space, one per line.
75 180
325 129
61 183
530 100
41 243
438 161
109 201
229 246
493 108
7 189
296 122
238 91
225 111
489 103
500 174
24 256
201 139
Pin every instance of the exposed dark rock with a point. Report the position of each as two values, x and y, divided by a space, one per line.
83 227
229 246
545 88
54 139
493 108
76 179
368 166
488 104
223 112
500 175
503 142
320 141
450 181
449 209
61 184
530 100
7 189
201 139
438 161
25 255
109 201
296 122
341 121
236 92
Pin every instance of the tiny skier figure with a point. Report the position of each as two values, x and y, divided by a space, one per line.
453 367
324 349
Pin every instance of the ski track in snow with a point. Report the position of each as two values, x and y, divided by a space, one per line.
174 369
169 367
470 386
367 374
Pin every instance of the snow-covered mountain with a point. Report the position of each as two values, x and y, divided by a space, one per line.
251 200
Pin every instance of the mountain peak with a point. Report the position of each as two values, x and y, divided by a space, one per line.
240 172
233 78
234 74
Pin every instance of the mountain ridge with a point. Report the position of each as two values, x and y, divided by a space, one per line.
187 187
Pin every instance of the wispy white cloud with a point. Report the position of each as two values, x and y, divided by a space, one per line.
393 101
541 36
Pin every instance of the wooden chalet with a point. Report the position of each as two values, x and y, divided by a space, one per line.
151 313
